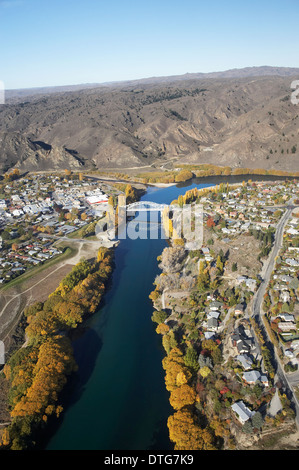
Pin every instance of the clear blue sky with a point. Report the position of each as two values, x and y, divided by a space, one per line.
62 42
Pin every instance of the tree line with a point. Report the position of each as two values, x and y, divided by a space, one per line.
38 372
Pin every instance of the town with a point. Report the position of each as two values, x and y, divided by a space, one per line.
206 305
218 307
37 211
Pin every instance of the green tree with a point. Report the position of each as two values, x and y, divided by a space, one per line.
190 359
159 316
257 420
219 265
247 427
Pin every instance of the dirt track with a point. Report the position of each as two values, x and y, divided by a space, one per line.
38 287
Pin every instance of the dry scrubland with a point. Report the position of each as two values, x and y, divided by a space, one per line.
244 120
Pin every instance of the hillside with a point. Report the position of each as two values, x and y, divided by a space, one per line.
239 118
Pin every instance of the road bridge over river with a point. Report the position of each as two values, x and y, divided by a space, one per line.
144 206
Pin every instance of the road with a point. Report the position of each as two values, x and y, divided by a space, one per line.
256 310
269 265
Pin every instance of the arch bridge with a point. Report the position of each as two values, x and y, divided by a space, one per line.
145 206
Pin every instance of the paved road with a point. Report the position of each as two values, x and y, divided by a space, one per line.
269 266
289 380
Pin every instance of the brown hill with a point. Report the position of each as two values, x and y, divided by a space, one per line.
242 122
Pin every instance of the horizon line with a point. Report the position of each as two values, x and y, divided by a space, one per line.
111 82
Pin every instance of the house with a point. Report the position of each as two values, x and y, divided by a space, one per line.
292 262
213 314
289 353
287 326
241 279
212 324
285 296
215 305
243 346
245 226
241 341
244 413
286 278
239 309
17 212
209 335
286 317
245 361
254 376
251 284
264 380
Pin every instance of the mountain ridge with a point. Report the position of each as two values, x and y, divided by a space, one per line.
231 73
245 121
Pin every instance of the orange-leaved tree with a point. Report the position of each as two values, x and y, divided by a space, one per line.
187 434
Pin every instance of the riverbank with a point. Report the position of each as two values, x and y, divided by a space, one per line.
184 173
120 380
38 371
199 305
119 383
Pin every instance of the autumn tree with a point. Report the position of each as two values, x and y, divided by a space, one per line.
5 438
172 258
40 326
210 222
176 372
69 313
169 341
162 329
204 371
38 372
187 434
131 194
103 254
182 396
183 175
203 280
55 362
219 427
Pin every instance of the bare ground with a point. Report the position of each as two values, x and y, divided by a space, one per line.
37 288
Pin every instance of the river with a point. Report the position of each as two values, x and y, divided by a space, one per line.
117 399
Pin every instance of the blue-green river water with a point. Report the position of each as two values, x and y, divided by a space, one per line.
118 399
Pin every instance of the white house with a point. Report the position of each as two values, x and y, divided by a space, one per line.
244 413
245 361
286 317
254 376
213 314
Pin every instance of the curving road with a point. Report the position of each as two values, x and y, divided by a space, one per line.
269 265
256 309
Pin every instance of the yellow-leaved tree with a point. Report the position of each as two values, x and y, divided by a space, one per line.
187 434
182 396
176 372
